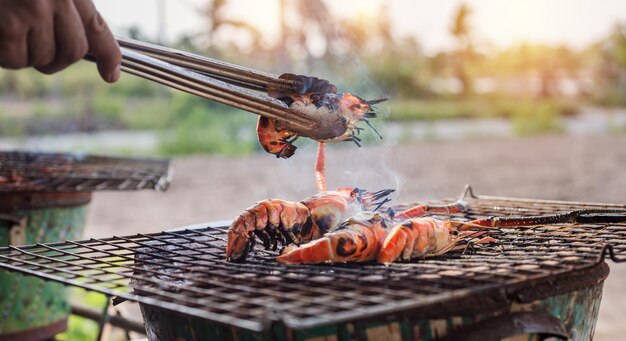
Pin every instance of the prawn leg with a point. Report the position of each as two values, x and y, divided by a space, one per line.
271 221
320 168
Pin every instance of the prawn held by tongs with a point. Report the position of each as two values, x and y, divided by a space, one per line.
288 106
337 115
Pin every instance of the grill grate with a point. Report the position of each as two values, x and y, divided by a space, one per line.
51 172
185 270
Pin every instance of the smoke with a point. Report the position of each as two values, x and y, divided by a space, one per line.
369 167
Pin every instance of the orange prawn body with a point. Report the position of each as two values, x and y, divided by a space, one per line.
273 139
357 239
288 222
364 237
417 238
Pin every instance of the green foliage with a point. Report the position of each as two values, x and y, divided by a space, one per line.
202 127
107 106
24 83
472 107
131 86
79 79
11 126
536 118
79 328
610 97
407 110
147 113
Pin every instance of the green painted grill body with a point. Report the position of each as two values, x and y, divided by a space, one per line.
43 199
27 302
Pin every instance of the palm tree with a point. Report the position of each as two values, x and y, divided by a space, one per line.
461 30
214 12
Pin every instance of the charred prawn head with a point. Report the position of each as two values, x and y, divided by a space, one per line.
283 222
336 114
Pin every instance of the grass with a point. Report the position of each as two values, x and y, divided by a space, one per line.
79 328
189 125
474 107
536 118
528 116
203 128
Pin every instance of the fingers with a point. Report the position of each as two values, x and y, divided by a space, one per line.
52 34
40 39
15 55
70 41
41 46
13 50
102 43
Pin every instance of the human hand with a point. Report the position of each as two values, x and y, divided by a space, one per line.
49 35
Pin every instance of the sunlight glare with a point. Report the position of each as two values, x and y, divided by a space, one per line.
264 15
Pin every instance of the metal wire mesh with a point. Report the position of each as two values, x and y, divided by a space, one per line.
52 172
185 270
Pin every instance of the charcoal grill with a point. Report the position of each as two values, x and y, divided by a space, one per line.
182 281
53 172
44 198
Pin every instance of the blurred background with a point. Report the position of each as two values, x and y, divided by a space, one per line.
518 98
515 68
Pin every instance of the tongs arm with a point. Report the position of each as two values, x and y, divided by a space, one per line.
229 73
193 74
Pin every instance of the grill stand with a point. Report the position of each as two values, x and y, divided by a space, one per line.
184 273
35 309
564 307
43 198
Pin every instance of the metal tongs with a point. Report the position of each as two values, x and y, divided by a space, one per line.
212 79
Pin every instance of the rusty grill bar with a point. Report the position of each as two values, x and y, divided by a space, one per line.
53 172
185 270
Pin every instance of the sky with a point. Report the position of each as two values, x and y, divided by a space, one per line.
500 23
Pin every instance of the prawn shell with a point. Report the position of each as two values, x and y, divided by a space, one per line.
273 138
356 240
416 238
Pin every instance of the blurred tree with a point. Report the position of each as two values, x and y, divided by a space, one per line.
462 32
10 84
134 32
314 22
217 20
616 51
370 32
610 69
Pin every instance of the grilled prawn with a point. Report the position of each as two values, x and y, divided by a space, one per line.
288 222
338 114
357 239
424 237
363 237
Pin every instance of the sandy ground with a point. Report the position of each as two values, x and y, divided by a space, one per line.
208 188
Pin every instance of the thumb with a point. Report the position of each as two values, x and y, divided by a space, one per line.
102 44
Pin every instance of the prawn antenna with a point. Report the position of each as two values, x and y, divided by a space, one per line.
375 101
356 141
371 126
381 203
